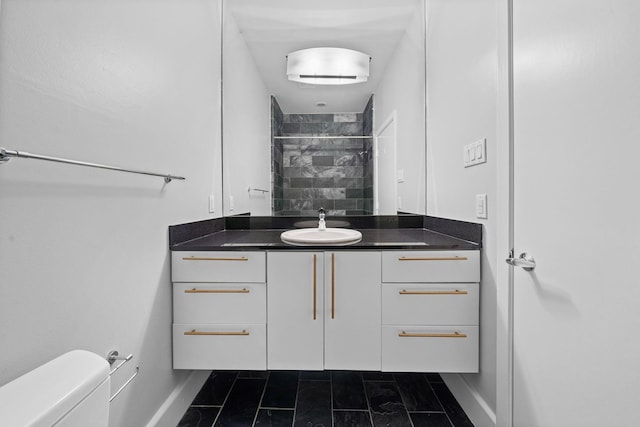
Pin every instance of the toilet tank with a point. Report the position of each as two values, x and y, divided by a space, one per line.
69 391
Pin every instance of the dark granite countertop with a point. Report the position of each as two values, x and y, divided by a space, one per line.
413 232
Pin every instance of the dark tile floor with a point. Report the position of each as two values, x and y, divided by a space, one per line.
324 399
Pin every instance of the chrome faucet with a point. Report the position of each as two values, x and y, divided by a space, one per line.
322 226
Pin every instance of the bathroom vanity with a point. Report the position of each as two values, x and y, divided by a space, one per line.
404 298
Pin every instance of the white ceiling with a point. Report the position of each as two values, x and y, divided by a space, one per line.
273 28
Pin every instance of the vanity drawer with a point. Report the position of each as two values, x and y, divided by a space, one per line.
430 349
203 346
430 304
220 267
430 266
219 303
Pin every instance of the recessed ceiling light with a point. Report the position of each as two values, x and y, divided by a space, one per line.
328 66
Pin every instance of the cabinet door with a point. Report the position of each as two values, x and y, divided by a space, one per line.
352 310
295 310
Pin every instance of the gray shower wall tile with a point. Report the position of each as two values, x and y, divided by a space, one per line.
324 183
345 117
355 143
301 182
325 129
353 171
298 161
323 171
326 204
292 193
353 193
346 204
348 160
323 193
323 151
302 204
348 182
324 161
290 128
292 172
308 118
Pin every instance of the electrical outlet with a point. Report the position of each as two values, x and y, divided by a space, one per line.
481 206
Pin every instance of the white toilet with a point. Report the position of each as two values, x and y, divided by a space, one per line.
72 390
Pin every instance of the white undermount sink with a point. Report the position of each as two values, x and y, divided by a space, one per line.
314 236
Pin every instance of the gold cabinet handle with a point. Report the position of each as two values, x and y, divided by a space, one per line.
455 292
404 334
194 332
315 286
193 258
333 286
455 258
217 291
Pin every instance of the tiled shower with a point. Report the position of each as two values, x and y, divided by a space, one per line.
322 160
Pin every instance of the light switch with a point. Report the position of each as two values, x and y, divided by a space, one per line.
212 204
475 153
400 175
481 206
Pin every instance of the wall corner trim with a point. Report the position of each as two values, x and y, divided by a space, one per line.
176 404
473 404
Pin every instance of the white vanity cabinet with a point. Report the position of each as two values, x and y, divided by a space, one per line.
219 310
323 310
296 309
430 311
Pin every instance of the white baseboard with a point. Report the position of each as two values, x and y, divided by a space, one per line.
476 408
171 411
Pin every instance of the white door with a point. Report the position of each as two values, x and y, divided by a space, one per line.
576 324
295 322
386 188
352 310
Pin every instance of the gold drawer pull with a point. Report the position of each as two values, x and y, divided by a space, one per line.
455 258
412 335
194 332
333 286
217 291
456 292
315 286
214 259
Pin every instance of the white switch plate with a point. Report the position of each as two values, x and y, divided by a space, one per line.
475 153
212 204
400 175
231 204
481 206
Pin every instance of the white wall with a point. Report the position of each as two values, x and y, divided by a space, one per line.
83 252
461 108
247 128
402 91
